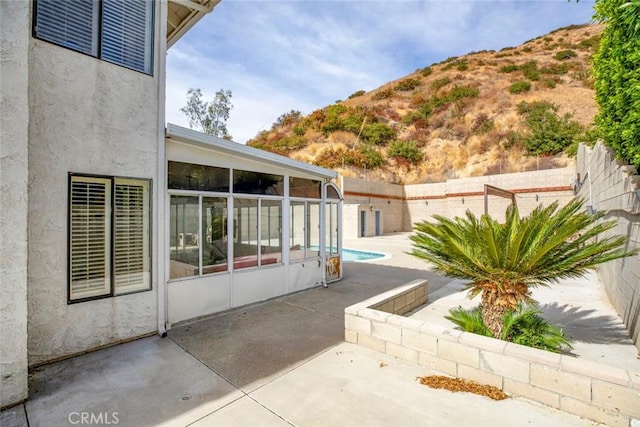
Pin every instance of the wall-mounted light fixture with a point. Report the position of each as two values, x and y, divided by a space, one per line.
463 200
537 197
388 202
426 202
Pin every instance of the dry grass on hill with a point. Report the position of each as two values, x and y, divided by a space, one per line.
478 133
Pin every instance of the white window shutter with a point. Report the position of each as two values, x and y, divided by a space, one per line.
90 237
131 236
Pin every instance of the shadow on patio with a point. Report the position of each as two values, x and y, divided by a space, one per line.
252 345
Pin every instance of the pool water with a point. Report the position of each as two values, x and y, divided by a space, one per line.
355 255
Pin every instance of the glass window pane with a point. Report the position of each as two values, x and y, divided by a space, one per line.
245 235
90 237
334 228
187 176
132 257
71 23
297 219
300 187
214 227
184 241
332 193
270 232
331 228
313 229
257 183
127 33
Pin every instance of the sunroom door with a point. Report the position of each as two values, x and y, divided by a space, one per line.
333 230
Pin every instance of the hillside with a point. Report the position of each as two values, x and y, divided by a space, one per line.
483 113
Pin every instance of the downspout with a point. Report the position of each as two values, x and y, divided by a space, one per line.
161 191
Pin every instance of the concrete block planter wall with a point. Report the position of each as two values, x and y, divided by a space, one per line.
606 394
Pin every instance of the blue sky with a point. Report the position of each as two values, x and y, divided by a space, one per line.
279 55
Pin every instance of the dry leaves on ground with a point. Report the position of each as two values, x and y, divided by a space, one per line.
458 384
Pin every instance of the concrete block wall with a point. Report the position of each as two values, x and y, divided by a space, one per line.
369 197
404 205
605 394
611 186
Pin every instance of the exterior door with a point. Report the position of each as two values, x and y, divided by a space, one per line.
378 223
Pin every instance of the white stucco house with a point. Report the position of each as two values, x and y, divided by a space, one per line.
113 226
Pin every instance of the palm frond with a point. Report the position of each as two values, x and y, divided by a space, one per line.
549 244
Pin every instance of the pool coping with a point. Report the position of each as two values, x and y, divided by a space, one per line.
599 392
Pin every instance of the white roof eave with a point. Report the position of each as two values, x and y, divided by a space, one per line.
194 11
200 139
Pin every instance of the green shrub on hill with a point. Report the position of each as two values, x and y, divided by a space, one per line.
378 134
520 87
426 71
407 150
440 83
563 55
408 84
548 133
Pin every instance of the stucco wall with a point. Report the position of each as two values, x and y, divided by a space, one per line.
609 186
403 206
86 116
14 119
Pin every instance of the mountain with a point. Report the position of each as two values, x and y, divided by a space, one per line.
483 113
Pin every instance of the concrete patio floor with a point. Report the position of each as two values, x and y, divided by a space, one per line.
278 363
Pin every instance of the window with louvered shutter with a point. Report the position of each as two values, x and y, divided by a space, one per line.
109 236
90 237
118 31
126 33
71 23
131 261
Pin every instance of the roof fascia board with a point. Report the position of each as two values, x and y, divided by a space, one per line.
201 139
192 19
196 6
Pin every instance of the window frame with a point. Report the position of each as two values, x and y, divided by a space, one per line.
306 232
200 195
99 35
110 218
259 230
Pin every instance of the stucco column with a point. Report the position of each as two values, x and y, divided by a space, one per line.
14 131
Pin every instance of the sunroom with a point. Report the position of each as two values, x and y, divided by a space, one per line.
243 225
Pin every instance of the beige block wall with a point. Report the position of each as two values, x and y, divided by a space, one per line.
610 186
369 197
403 206
14 128
602 393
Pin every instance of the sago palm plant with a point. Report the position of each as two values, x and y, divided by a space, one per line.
504 261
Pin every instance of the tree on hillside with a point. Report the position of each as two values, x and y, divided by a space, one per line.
616 67
209 116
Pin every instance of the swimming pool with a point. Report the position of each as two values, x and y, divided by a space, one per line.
356 255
